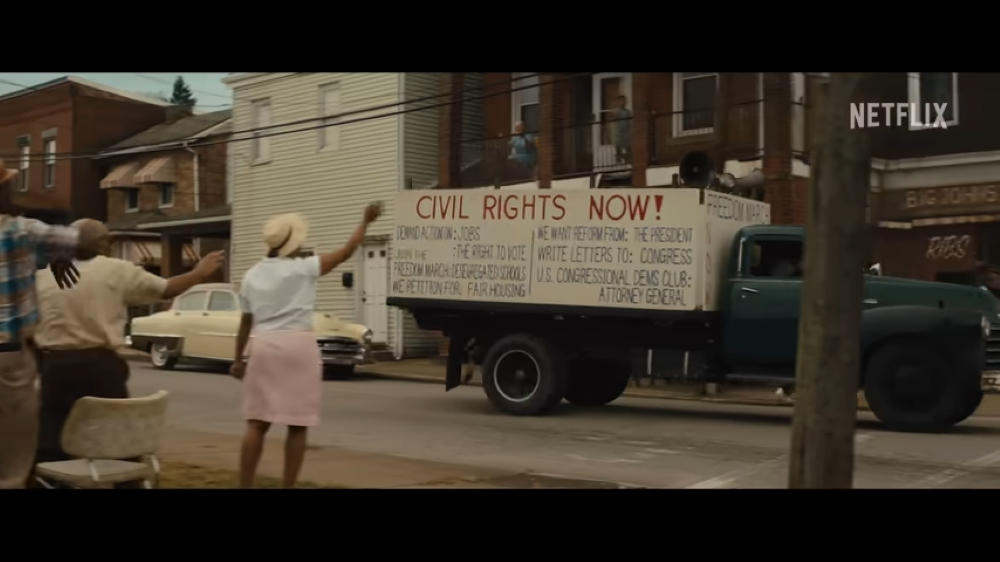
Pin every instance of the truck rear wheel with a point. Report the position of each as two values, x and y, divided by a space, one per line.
524 375
911 387
596 383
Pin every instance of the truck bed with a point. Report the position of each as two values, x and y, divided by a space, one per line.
629 252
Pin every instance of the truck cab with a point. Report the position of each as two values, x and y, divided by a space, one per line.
762 299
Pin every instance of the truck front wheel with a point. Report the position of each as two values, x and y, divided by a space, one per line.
910 386
596 383
524 375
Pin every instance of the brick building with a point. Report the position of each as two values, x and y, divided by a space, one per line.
743 120
167 191
41 125
937 190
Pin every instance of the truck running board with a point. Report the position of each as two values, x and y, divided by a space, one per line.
767 380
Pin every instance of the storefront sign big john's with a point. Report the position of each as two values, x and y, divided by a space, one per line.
909 204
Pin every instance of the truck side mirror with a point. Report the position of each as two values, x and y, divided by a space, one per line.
347 279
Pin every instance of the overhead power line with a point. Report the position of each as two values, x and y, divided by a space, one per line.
256 133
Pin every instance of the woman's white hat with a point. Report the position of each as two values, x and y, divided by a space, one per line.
286 233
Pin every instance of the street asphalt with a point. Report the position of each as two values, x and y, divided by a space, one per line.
636 442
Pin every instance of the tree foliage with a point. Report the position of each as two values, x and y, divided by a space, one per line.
182 94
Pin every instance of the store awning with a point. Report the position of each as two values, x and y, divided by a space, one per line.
159 170
122 175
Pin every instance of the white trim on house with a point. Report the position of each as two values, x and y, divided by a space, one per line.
760 111
24 166
913 96
960 159
328 138
260 146
678 101
255 78
798 112
189 222
398 344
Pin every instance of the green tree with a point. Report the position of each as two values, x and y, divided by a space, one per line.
182 94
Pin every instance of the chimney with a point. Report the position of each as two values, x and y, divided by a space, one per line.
175 113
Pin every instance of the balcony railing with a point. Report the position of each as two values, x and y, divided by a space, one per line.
497 161
595 147
672 131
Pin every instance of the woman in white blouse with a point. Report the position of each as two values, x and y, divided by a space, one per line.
282 380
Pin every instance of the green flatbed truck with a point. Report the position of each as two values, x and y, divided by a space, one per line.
551 292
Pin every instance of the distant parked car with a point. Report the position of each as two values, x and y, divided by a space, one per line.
202 323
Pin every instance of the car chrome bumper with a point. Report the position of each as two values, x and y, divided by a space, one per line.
341 352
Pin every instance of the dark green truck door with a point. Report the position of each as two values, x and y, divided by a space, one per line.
763 324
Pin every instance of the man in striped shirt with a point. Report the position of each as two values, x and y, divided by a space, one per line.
23 244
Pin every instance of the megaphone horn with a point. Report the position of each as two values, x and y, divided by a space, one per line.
697 169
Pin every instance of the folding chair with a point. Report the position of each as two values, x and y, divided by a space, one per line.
102 433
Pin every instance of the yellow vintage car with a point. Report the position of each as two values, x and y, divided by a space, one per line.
201 325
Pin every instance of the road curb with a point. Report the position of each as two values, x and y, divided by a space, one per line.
629 393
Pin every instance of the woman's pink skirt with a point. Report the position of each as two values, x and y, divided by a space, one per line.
284 379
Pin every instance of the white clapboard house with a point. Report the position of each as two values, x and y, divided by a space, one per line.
329 175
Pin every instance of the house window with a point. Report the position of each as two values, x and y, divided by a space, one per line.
940 91
694 102
524 103
49 169
329 108
24 164
261 117
131 199
166 195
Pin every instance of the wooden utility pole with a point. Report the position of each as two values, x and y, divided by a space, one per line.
822 454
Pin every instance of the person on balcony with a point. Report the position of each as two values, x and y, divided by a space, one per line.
623 131
524 148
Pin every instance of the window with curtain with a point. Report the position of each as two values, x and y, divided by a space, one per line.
697 92
261 117
49 169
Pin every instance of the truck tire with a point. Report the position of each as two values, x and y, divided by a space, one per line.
524 375
596 383
911 387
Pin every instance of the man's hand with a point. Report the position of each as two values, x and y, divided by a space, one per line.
65 273
210 263
238 370
372 212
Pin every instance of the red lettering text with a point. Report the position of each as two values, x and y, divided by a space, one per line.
557 203
448 207
420 202
616 207
523 207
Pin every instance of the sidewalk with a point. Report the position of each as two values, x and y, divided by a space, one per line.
327 467
432 370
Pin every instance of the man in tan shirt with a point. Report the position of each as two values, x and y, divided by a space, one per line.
80 330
